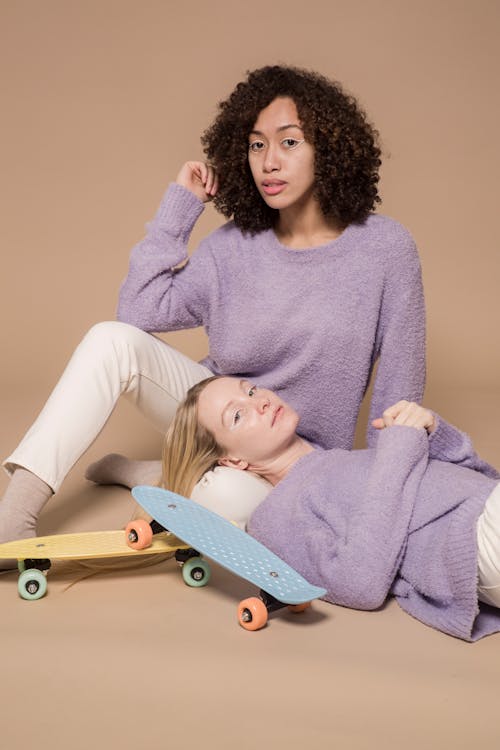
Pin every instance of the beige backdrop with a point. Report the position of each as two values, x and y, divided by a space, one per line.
102 101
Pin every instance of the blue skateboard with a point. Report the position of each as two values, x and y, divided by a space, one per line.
233 549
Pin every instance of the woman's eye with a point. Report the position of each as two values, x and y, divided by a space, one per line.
290 143
236 418
252 390
256 146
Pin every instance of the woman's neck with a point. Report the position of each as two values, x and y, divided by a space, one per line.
306 226
278 467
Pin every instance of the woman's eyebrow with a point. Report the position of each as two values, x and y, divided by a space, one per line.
225 412
230 404
278 130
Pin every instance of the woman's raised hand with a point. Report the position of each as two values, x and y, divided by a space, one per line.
406 413
199 178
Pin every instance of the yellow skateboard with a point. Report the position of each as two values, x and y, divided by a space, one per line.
34 555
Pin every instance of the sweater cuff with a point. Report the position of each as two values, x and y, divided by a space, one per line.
407 440
446 441
179 211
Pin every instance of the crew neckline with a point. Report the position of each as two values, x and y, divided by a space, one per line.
304 254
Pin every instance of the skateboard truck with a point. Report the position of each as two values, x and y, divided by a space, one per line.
182 555
32 564
156 527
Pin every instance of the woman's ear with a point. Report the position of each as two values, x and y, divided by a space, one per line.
233 463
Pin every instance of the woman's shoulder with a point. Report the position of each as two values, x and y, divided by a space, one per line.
386 226
386 234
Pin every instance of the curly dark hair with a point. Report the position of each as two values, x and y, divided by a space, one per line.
347 153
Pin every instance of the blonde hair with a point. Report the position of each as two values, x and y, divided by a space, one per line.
189 449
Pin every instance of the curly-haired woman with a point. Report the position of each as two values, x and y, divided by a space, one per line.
304 287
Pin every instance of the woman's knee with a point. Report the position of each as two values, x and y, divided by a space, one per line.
108 336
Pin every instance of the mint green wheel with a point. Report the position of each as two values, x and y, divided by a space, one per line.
32 584
196 572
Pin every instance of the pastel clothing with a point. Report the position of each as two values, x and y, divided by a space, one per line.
398 519
308 324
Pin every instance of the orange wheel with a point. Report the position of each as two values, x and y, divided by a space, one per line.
296 608
139 534
252 613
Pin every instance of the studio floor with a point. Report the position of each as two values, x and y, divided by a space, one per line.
135 658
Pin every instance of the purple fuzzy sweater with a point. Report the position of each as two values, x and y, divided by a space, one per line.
309 324
396 519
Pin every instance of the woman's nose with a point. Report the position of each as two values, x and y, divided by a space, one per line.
271 159
263 404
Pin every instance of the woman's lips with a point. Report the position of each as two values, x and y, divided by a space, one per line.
273 188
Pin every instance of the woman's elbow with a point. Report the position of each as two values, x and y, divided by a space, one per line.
368 596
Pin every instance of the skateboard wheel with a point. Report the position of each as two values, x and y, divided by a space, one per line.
196 572
32 584
252 613
139 534
296 608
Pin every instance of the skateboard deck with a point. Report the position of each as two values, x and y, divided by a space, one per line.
82 546
227 545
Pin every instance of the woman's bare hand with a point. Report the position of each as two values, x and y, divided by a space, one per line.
406 413
199 178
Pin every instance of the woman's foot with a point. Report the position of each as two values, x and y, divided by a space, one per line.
117 469
20 507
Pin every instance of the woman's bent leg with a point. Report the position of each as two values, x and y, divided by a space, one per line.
112 359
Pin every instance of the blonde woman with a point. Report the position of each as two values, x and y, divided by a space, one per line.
416 517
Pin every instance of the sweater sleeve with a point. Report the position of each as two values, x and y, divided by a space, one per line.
352 548
155 296
400 341
447 443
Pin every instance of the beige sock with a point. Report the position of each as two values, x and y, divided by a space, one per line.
117 469
20 507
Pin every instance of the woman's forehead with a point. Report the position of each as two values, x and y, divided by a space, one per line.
280 112
220 389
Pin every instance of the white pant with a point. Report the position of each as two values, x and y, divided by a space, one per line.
488 544
116 359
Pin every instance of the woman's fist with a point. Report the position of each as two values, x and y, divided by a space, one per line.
406 413
199 178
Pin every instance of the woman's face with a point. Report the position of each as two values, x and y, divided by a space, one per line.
281 161
252 423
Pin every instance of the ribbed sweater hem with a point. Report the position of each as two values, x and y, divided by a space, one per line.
461 617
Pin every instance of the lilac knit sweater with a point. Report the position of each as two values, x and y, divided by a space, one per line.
396 519
308 324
